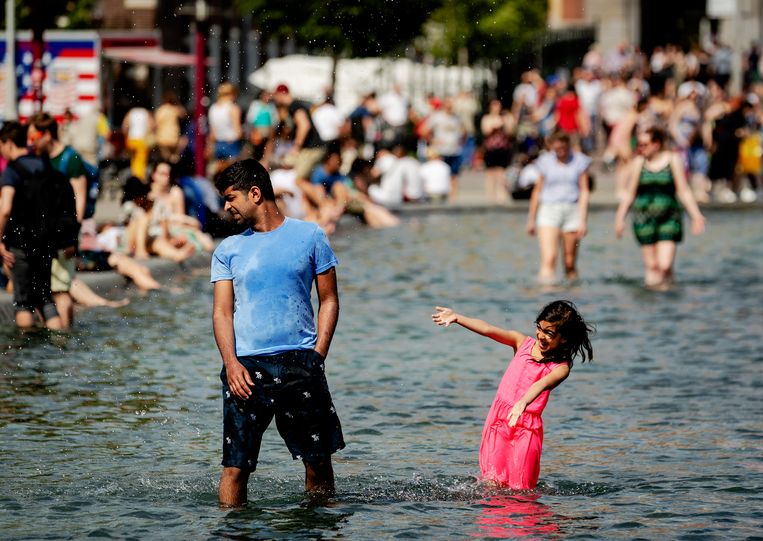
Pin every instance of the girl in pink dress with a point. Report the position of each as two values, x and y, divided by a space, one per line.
513 434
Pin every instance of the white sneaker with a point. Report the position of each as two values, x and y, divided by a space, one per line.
747 195
725 195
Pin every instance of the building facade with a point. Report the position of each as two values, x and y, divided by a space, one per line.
648 23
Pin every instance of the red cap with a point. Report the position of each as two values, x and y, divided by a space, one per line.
282 89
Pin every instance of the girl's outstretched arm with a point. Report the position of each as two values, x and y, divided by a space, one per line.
445 316
554 378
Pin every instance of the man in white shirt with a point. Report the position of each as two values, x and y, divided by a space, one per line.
435 175
445 133
389 190
328 121
393 106
589 91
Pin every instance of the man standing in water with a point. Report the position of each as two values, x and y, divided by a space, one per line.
265 330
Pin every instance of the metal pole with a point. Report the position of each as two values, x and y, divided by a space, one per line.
234 53
10 61
198 106
214 38
38 68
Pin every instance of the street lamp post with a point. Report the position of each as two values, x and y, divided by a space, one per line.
199 76
10 61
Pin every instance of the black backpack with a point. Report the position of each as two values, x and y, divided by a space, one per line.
44 212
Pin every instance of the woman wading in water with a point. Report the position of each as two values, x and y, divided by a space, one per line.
656 184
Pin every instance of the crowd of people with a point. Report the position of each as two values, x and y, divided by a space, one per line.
48 233
384 153
393 150
390 151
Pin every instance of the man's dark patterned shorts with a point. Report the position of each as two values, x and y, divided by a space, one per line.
292 387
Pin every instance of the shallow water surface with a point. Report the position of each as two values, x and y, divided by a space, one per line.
114 430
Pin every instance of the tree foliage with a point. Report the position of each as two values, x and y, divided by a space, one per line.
485 29
52 14
343 27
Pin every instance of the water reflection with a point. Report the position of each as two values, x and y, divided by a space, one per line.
306 519
516 516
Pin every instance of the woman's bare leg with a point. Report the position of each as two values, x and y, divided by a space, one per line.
65 306
666 257
548 241
378 217
164 248
82 294
571 241
139 274
652 274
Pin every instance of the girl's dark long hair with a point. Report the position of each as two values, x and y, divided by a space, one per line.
573 330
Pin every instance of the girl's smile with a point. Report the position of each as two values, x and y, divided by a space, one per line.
548 337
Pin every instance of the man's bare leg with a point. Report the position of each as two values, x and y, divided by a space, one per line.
319 477
232 492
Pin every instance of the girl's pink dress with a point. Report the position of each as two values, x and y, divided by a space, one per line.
511 455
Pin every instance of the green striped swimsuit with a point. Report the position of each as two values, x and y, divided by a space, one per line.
657 215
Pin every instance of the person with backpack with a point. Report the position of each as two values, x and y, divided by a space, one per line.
37 218
84 177
67 289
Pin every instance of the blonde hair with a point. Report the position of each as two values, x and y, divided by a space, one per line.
227 89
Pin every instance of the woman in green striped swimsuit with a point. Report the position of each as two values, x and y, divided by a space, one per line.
657 183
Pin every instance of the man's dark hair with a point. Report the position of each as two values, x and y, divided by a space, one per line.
244 174
43 122
15 132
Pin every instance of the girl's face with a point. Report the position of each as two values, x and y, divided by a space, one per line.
548 337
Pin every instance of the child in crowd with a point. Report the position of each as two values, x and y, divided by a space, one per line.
512 437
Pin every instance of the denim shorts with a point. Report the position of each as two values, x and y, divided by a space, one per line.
454 162
291 387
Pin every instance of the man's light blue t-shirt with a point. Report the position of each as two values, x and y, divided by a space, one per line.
273 275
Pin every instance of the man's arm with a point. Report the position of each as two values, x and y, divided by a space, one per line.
239 380
6 205
79 185
328 309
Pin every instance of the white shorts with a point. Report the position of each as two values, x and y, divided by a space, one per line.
564 216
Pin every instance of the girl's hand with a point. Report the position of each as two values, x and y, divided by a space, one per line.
516 412
698 225
444 316
531 228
